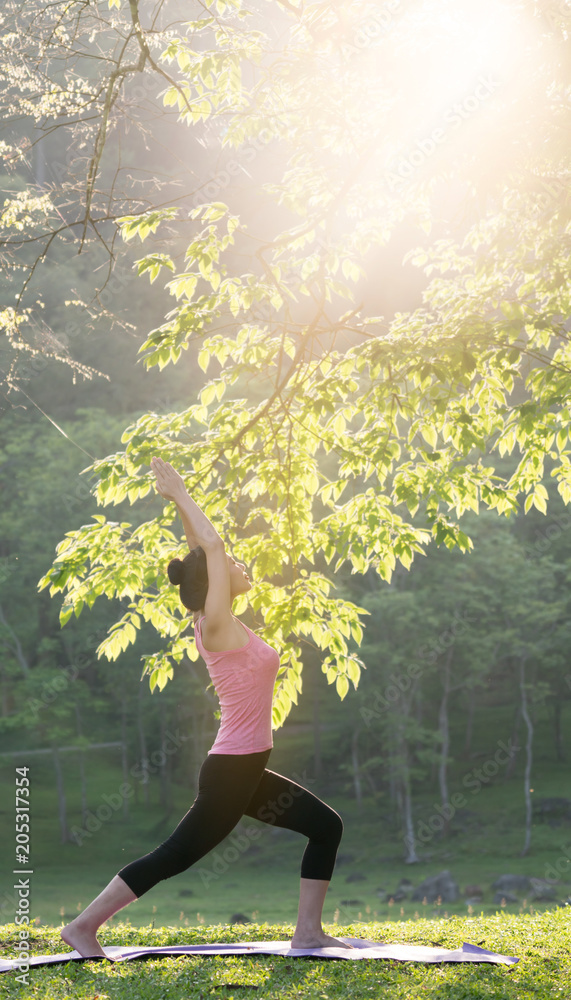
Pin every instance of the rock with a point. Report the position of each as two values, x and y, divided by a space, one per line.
475 892
443 885
239 918
402 891
512 883
540 889
552 808
507 896
356 877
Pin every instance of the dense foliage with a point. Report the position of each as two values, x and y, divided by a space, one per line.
403 416
324 438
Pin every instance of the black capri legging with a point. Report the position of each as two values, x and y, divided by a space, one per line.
231 786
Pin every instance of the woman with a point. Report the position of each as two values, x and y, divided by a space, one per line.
233 780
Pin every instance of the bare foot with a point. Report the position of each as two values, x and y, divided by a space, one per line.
317 940
82 940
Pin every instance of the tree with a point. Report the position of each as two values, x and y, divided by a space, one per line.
530 613
393 415
87 138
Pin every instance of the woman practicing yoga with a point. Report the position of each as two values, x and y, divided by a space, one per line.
233 780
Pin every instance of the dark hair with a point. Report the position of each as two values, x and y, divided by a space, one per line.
191 576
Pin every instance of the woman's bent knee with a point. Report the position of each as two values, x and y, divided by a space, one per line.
336 827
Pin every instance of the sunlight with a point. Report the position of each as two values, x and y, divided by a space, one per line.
438 76
461 46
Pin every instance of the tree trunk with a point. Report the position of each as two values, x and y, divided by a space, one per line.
528 758
83 788
15 646
401 770
62 809
5 711
419 714
514 742
124 757
444 730
143 746
356 769
469 724
45 630
411 857
434 771
81 769
393 790
557 734
371 783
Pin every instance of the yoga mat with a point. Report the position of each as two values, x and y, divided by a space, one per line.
361 949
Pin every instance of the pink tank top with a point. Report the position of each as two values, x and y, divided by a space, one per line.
244 682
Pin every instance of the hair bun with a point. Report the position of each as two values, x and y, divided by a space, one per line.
175 570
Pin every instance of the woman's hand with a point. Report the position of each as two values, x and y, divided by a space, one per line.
170 484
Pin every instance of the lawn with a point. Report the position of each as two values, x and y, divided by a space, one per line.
261 877
542 941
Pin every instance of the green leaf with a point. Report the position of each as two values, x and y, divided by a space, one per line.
208 394
65 614
311 482
342 685
429 434
215 210
539 499
353 672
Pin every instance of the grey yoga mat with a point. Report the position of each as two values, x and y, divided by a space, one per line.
361 949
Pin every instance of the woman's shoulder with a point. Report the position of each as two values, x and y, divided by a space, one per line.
226 639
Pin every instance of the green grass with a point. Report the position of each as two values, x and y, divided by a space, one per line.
263 880
265 889
542 942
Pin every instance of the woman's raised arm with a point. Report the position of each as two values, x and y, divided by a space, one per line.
198 529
